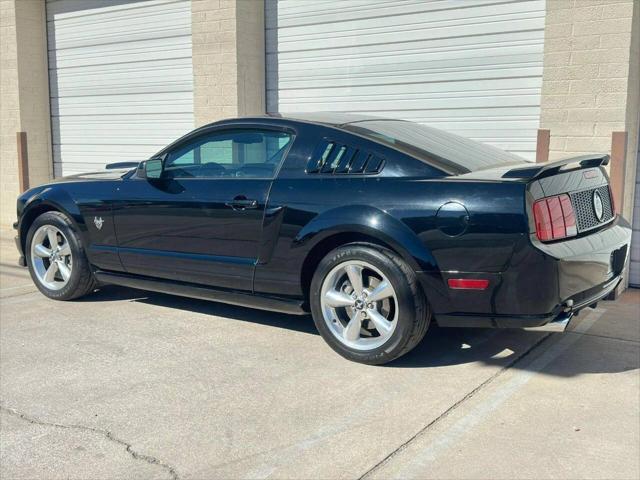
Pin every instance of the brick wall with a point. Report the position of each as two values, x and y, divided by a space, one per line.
10 117
35 117
228 58
588 83
24 99
633 114
586 70
591 81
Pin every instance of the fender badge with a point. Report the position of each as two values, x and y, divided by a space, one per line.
98 222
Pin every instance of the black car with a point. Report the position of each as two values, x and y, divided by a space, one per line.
375 226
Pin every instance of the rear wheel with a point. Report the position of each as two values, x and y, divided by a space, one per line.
56 258
367 304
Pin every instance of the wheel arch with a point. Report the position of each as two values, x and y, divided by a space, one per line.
329 231
42 204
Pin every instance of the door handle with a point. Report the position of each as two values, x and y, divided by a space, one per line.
242 203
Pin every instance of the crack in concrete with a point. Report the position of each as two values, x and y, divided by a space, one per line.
105 433
607 337
449 410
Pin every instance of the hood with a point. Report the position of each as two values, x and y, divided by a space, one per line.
114 174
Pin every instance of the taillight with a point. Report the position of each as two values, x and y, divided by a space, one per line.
554 218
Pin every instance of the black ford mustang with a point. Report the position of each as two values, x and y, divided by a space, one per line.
375 226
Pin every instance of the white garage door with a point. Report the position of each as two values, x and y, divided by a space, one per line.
634 267
121 79
472 67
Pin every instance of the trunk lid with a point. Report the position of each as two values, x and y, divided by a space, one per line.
583 180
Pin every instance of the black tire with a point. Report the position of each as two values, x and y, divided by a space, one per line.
414 314
81 281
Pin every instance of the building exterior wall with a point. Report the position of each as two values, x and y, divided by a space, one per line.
632 117
474 71
590 86
120 80
10 118
590 79
25 99
228 59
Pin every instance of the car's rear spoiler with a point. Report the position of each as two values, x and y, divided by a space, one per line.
542 170
117 165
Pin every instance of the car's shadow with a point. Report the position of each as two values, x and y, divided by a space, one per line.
303 324
440 347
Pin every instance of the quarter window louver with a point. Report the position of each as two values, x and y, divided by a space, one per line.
334 158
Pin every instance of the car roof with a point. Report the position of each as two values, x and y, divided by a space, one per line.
449 152
328 118
333 119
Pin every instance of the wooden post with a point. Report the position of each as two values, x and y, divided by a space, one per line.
617 167
542 145
23 161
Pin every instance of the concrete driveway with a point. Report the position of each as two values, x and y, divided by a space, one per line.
127 384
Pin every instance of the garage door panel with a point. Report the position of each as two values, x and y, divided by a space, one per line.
451 64
139 103
143 129
80 158
488 87
310 42
436 57
445 64
104 153
66 9
79 38
424 104
318 94
295 12
417 16
393 78
402 48
115 22
139 51
170 75
121 80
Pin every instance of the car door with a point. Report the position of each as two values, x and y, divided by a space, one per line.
201 220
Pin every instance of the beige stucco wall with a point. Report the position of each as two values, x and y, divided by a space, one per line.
228 58
632 117
590 79
590 82
9 112
24 99
228 61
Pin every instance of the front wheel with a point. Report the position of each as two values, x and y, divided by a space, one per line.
56 258
367 304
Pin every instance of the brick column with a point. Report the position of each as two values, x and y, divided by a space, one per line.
590 80
228 59
24 95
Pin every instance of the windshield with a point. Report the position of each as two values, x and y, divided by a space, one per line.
449 152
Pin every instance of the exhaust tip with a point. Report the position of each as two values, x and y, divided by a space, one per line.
557 325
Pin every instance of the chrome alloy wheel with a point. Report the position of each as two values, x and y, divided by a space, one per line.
51 257
359 305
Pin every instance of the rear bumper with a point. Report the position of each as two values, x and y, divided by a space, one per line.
556 321
542 283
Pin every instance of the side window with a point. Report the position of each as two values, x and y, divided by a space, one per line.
232 153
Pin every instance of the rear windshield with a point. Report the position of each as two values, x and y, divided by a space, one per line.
446 151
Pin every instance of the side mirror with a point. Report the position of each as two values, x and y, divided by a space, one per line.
152 169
